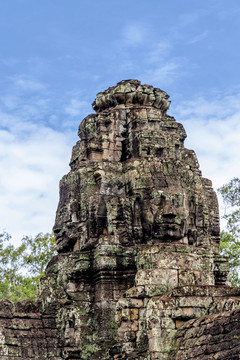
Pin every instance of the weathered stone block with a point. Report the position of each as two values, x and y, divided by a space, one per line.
154 277
188 313
194 301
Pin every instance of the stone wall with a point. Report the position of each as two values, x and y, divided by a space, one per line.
209 337
82 288
27 333
173 284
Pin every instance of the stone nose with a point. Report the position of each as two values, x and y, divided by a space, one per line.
169 211
57 230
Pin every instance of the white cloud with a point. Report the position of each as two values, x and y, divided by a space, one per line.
213 128
160 51
164 74
24 103
30 172
27 84
134 34
227 13
10 101
75 107
33 158
198 38
186 19
10 61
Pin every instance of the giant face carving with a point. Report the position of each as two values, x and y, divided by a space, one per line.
131 177
170 216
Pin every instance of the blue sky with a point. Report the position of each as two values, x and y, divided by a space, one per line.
55 55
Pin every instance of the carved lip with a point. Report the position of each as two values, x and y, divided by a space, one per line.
164 228
168 224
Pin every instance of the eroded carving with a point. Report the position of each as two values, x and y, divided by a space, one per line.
132 177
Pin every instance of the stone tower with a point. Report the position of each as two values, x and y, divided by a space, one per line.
132 179
138 274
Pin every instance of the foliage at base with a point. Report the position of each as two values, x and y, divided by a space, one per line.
21 267
230 239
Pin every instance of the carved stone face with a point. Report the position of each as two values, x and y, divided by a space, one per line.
65 235
132 178
170 215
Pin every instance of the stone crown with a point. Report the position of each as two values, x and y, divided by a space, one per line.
130 92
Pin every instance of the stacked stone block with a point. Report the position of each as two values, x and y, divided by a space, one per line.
209 337
26 333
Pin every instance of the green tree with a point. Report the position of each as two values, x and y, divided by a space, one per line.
22 267
230 239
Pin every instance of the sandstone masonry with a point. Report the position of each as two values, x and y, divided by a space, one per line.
138 275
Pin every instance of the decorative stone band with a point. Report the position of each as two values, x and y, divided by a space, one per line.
131 92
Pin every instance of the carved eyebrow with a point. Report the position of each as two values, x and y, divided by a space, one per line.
171 196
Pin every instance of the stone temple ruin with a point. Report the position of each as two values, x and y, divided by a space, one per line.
138 274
